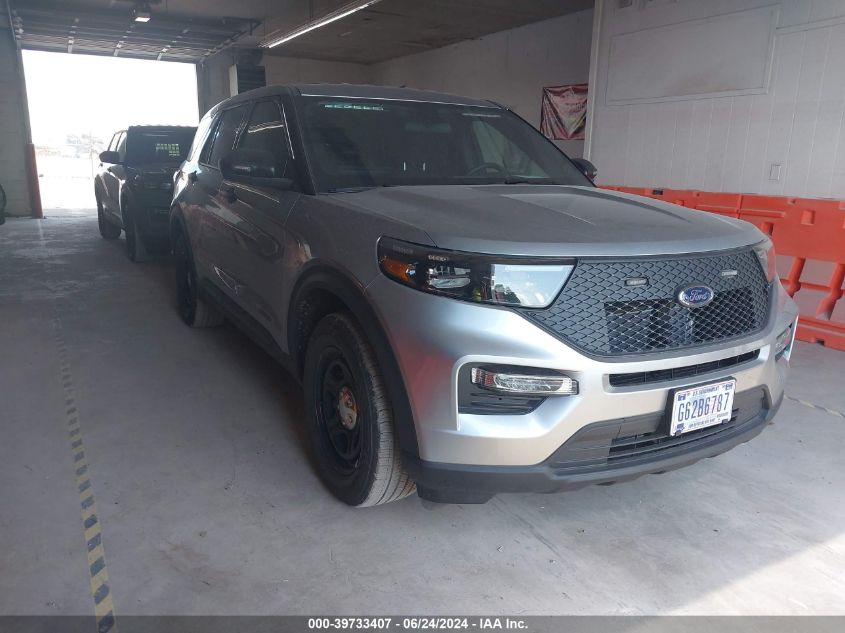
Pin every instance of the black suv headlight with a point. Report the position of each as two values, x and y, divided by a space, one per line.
497 279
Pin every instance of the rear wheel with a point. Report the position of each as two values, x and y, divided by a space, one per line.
108 231
136 250
194 310
350 417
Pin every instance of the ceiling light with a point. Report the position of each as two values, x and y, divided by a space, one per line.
276 38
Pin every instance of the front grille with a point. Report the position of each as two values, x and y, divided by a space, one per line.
628 441
599 314
662 375
626 448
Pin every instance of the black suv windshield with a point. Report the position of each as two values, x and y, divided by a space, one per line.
158 146
356 143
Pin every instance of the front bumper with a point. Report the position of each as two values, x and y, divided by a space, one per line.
433 337
588 457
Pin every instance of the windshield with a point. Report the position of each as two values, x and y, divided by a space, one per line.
355 143
158 146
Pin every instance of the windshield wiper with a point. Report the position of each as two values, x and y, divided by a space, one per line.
348 189
359 189
528 181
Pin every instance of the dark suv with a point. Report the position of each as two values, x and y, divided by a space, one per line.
134 184
466 310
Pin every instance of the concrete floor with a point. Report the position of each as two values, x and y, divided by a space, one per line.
209 504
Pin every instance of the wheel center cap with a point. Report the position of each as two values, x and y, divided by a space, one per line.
347 408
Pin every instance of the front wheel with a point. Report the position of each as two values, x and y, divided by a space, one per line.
192 308
350 417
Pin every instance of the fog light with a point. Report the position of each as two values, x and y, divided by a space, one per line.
783 343
552 384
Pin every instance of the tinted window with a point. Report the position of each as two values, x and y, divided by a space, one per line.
224 136
158 146
205 155
266 130
113 143
121 146
199 138
355 143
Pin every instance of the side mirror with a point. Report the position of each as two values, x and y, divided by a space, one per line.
257 167
586 167
111 158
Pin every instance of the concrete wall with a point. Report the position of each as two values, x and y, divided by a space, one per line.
213 76
770 121
282 70
13 172
510 67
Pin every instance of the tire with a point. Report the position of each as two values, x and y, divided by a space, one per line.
108 231
350 417
136 249
194 311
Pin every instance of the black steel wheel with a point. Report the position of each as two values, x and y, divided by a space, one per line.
350 416
337 413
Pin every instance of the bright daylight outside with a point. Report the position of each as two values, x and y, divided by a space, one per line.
78 102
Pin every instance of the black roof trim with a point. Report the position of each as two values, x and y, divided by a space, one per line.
354 91
161 127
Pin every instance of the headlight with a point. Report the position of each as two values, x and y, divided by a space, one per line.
765 252
503 280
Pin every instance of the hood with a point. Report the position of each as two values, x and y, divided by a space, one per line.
550 220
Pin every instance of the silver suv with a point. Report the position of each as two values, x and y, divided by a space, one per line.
467 312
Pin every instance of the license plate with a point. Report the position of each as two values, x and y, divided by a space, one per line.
699 407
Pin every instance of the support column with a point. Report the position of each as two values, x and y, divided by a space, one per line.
18 171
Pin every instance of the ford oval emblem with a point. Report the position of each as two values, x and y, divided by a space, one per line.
695 296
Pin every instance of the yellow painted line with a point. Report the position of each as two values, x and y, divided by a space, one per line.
96 555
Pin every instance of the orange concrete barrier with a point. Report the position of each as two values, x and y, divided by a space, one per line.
809 237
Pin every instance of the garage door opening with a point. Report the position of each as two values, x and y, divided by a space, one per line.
78 102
